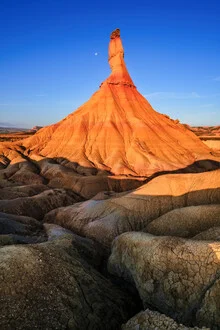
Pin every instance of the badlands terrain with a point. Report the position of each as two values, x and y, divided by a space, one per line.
110 218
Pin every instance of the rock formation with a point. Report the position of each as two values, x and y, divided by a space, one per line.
113 166
22 191
49 286
152 320
210 135
117 130
179 277
114 141
211 234
37 206
186 222
104 219
15 229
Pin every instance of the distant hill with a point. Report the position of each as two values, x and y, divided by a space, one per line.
205 131
11 134
4 130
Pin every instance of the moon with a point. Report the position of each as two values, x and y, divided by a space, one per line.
96 54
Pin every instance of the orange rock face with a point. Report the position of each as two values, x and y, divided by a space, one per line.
117 130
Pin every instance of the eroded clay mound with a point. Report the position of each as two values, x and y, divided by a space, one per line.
88 249
37 206
186 222
208 312
178 277
49 286
103 220
15 229
212 234
19 170
152 320
21 191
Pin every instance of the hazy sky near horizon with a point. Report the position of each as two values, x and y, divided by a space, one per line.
54 56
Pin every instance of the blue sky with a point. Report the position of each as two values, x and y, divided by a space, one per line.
48 65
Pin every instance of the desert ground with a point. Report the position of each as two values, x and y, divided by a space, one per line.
110 218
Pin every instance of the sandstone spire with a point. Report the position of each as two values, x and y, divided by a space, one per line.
119 73
117 130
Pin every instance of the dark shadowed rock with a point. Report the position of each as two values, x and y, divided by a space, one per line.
37 206
15 224
16 229
49 286
88 249
22 191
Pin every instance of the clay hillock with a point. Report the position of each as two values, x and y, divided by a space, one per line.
40 204
179 277
16 229
50 286
152 320
105 217
186 222
211 234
